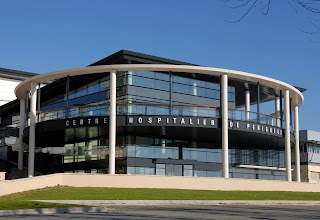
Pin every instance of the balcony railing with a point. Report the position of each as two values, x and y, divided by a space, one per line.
146 108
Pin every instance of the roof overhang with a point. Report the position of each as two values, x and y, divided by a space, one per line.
295 94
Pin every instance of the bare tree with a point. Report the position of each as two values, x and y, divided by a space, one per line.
310 7
246 6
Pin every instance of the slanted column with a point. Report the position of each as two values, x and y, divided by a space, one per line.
32 131
296 145
22 123
247 107
287 135
112 123
224 117
277 111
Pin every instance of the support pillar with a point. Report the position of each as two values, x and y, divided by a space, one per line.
281 109
287 135
296 145
38 103
224 117
247 107
277 111
67 97
112 122
22 123
32 131
258 103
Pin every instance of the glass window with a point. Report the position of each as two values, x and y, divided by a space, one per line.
200 173
140 170
177 170
214 94
187 172
131 151
214 174
201 92
231 97
104 85
148 171
200 83
144 74
214 86
201 156
143 82
186 154
162 85
180 79
169 153
160 166
160 172
231 89
81 92
162 76
193 153
93 88
179 88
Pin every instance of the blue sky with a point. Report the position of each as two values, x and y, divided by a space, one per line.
44 36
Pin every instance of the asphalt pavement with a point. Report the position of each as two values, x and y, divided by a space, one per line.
194 212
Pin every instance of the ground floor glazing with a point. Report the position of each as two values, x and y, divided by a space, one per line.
142 155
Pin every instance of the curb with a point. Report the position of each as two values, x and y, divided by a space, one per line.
101 203
46 211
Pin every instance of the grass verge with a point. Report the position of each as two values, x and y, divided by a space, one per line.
22 200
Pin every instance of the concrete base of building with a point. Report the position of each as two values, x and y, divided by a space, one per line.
139 181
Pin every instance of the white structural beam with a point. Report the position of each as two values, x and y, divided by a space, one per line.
112 123
287 135
22 123
247 105
277 111
32 140
296 145
224 116
296 95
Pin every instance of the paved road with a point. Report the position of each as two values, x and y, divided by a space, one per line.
191 212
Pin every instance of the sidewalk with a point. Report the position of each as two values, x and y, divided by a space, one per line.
182 202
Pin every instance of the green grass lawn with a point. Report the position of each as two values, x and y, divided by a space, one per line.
20 200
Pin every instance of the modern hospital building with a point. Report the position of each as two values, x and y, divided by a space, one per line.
132 113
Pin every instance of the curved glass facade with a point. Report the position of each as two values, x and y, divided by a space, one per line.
156 93
148 93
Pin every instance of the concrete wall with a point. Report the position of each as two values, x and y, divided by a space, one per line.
136 181
7 87
25 184
308 135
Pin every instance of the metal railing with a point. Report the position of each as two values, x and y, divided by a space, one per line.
151 108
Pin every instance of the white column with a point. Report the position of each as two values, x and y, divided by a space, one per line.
22 122
247 107
32 131
296 146
224 116
287 135
194 92
277 111
112 123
